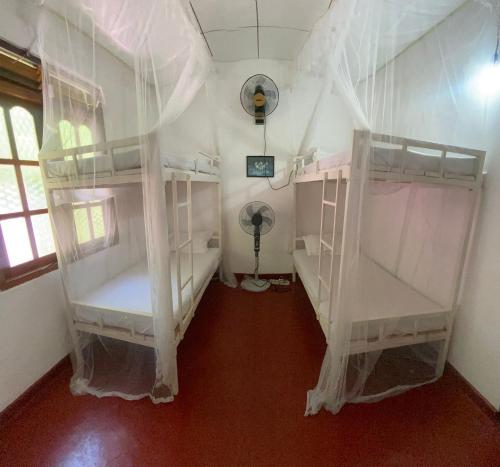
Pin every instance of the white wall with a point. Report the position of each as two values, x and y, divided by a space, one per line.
439 102
238 137
33 335
32 324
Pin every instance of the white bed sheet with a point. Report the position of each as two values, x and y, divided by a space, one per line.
416 163
123 160
125 300
200 164
99 164
383 297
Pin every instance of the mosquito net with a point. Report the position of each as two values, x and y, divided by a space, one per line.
392 69
396 88
117 75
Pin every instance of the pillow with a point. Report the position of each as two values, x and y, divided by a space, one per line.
200 241
312 244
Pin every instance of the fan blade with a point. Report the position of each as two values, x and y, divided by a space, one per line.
246 222
267 220
262 209
250 211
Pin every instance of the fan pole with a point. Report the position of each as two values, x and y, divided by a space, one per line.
256 249
256 270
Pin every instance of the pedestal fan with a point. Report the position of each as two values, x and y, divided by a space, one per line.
256 218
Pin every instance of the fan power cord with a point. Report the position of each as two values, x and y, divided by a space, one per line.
293 171
286 184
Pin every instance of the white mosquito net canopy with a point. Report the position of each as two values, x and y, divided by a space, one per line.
126 70
403 69
117 74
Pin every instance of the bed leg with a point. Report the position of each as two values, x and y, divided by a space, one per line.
294 274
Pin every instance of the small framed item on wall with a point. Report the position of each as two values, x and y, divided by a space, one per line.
260 166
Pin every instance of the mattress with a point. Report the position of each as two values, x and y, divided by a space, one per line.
200 164
123 159
125 300
416 163
98 164
383 298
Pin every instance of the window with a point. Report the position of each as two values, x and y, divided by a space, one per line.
77 107
70 138
26 243
95 225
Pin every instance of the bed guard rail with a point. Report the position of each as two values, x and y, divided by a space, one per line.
81 159
422 160
214 161
300 161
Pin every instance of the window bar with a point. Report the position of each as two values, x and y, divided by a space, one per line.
91 223
75 163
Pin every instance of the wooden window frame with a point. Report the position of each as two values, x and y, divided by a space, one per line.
97 244
11 276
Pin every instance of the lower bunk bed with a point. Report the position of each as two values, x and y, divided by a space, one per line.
121 307
390 313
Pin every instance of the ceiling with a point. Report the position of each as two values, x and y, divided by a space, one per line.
246 29
276 29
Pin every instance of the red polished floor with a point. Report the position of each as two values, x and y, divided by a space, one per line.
244 368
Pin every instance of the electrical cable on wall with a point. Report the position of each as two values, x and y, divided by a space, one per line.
265 150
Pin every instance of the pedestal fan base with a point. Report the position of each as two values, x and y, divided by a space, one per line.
254 285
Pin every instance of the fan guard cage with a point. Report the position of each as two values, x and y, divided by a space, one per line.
270 90
252 208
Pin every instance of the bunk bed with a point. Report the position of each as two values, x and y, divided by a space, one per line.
120 307
118 162
392 313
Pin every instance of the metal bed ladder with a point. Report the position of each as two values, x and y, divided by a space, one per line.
181 245
326 248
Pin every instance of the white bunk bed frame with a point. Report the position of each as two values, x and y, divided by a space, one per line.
114 176
132 176
344 174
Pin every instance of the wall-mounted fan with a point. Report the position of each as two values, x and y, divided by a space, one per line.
259 97
256 218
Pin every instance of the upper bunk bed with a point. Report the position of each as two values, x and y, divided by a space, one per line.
397 159
118 162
